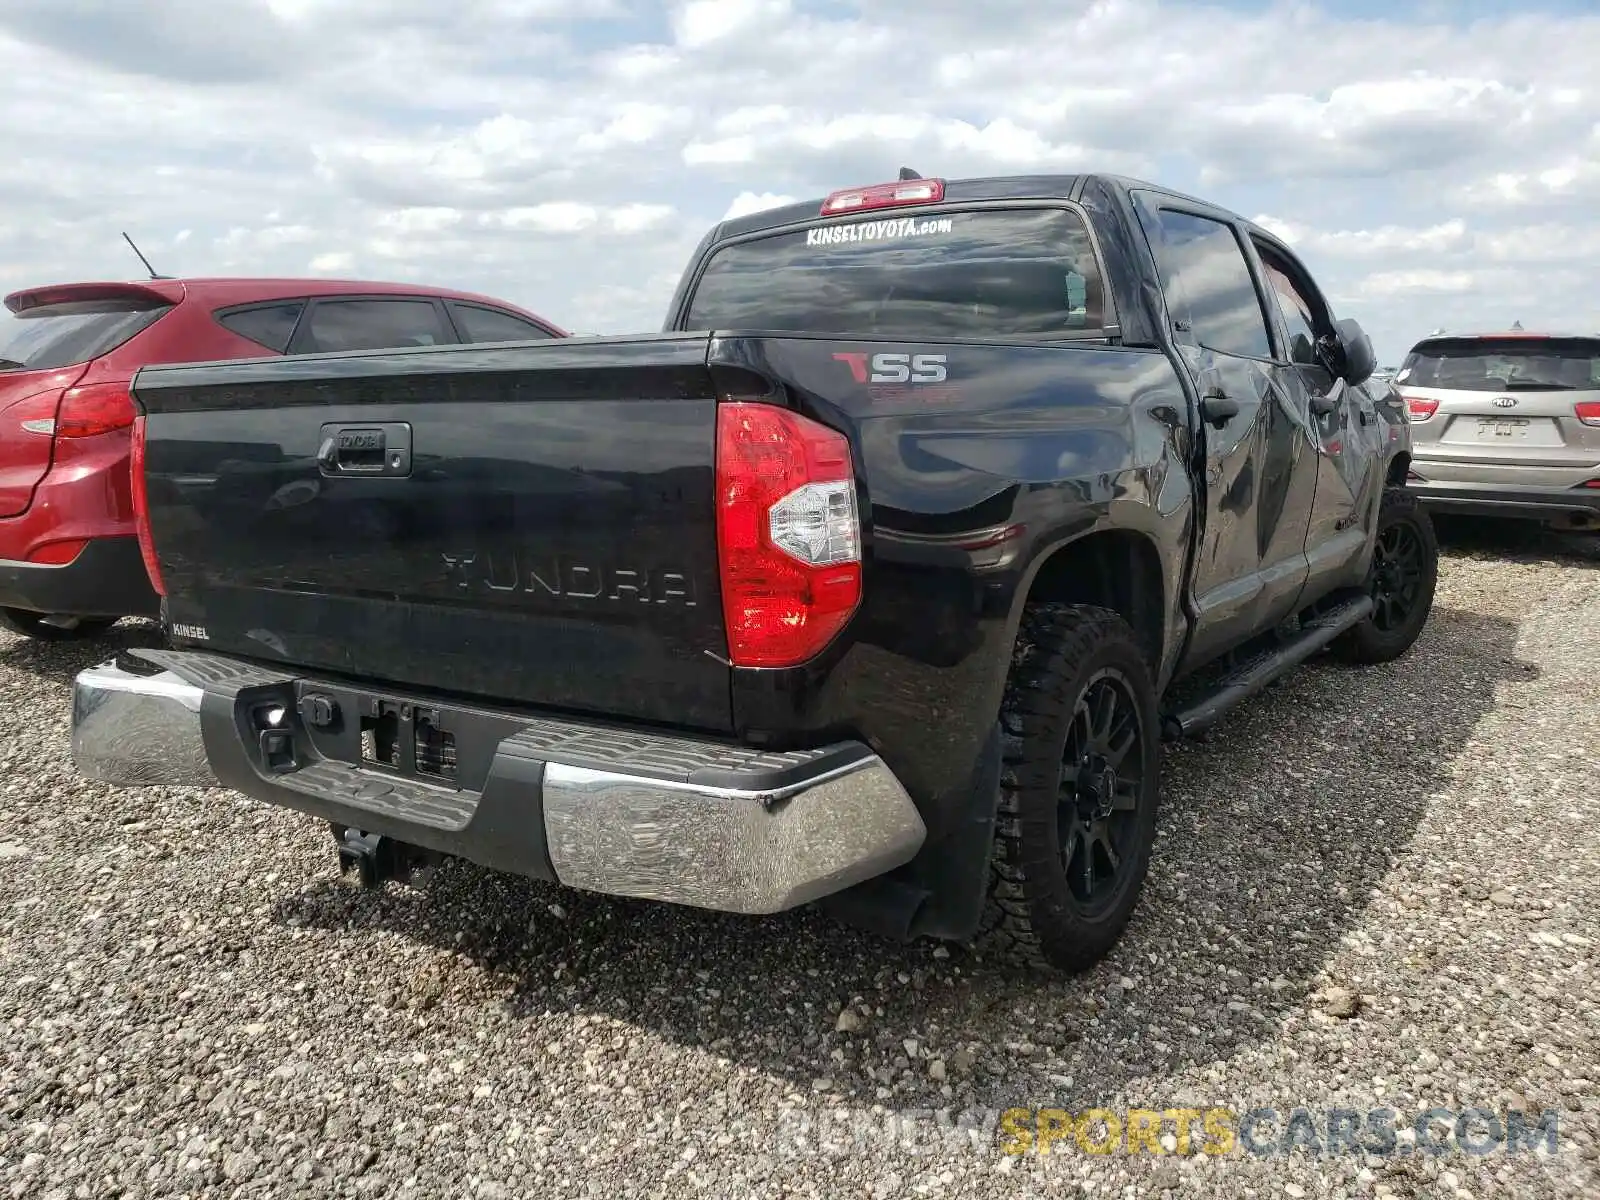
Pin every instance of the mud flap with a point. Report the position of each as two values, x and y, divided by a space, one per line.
940 893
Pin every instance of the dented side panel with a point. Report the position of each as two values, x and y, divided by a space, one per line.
979 460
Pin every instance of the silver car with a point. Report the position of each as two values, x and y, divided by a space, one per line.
1506 424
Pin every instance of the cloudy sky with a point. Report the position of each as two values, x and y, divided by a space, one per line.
1437 162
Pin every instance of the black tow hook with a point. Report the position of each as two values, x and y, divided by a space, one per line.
376 859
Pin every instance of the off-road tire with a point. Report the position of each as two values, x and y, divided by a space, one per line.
1031 917
1372 641
31 625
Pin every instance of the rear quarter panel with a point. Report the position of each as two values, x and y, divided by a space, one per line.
969 485
87 488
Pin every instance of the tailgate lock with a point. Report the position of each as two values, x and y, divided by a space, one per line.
382 449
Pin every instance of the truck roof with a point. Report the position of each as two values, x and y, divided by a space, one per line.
989 187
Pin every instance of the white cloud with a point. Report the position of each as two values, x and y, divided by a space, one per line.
703 22
1430 172
1545 243
640 218
333 261
1386 240
1569 178
1424 280
746 203
560 217
420 220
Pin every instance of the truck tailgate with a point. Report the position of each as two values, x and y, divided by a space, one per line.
533 523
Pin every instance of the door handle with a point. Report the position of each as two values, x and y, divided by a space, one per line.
1217 408
1327 405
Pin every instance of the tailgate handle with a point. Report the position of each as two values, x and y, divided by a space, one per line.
381 448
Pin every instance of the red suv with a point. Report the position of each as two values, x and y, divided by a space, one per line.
69 555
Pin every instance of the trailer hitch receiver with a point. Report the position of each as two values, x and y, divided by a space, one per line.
376 859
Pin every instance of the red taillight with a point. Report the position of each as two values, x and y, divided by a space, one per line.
1588 411
57 554
141 509
788 536
1420 408
1593 483
884 195
94 408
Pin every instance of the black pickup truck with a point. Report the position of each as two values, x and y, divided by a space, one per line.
867 582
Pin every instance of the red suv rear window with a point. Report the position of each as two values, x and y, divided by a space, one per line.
66 334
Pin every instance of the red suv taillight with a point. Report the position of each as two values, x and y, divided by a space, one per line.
141 509
788 534
1588 411
94 408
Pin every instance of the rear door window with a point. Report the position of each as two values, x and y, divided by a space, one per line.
480 324
269 325
1522 364
1012 272
334 325
64 335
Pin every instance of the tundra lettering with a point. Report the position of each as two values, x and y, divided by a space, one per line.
564 578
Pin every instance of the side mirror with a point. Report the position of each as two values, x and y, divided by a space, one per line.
1359 359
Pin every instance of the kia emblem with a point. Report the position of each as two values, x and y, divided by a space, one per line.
1505 401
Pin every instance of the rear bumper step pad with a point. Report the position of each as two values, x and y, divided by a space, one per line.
605 809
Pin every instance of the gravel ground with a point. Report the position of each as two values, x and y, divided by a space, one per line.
1371 888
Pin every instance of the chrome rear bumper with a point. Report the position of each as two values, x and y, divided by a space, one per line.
631 814
138 730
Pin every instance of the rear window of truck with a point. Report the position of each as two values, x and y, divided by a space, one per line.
64 335
986 273
1528 364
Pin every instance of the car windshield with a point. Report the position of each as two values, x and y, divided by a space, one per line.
63 335
988 273
1528 364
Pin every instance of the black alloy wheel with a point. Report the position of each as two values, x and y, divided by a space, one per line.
1397 575
1101 783
1078 791
1401 582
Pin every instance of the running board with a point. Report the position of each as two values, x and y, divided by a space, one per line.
1250 677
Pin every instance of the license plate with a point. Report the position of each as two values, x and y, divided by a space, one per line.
1493 429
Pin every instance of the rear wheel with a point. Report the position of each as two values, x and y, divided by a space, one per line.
33 625
1401 582
1079 789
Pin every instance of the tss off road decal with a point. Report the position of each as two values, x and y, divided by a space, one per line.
895 368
